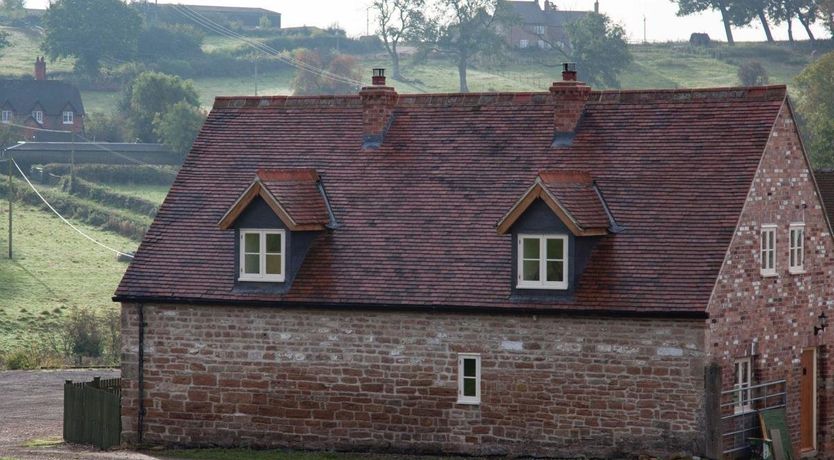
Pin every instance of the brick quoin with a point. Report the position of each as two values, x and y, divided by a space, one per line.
334 379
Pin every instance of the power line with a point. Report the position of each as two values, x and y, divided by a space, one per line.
217 28
62 217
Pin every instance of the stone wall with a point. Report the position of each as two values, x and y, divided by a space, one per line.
778 313
320 379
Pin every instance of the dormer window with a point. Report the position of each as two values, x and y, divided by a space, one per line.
38 116
542 261
262 255
68 117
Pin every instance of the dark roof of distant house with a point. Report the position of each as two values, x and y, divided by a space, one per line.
825 182
531 12
230 9
52 95
417 217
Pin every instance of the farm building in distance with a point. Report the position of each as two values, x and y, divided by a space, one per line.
562 273
248 18
42 104
535 26
123 153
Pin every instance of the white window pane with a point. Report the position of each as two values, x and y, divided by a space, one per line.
252 242
273 243
273 264
252 264
531 248
530 271
555 271
556 249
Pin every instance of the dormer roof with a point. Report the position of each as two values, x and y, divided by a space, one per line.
572 196
295 195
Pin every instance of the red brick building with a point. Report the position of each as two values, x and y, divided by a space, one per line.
534 26
42 104
562 273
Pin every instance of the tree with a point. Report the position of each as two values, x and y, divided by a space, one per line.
827 12
398 20
461 29
806 11
264 22
153 94
179 126
13 9
816 109
599 49
732 12
752 73
103 128
757 9
90 30
324 73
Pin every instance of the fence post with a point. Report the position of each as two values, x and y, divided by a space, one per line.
97 382
712 409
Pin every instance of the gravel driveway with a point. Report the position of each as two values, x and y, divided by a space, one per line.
32 407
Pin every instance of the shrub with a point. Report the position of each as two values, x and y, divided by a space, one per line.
20 359
117 174
752 73
82 330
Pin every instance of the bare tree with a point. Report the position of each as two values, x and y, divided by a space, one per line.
397 20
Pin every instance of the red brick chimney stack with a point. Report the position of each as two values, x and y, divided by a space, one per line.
378 103
40 68
569 97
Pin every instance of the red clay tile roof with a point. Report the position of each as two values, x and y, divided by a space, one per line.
825 182
293 194
571 195
417 216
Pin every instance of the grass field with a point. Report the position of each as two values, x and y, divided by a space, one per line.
54 269
19 58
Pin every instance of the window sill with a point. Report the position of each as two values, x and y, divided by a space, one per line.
261 280
746 410
769 274
468 402
797 271
561 287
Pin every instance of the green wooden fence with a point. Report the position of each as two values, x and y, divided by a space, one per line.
92 412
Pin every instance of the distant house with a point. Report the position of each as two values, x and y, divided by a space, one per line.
561 273
249 18
42 104
537 27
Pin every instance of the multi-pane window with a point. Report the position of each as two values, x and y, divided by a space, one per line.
768 250
523 43
797 248
743 379
469 378
542 262
6 116
68 117
38 116
262 255
539 30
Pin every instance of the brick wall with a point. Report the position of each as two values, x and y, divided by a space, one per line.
777 313
357 380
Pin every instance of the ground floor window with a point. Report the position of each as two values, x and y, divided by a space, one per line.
743 381
469 378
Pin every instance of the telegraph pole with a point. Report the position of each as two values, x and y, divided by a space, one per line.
11 194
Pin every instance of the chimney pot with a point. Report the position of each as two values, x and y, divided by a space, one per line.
569 71
378 78
40 68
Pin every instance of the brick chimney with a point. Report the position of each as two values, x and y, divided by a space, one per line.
378 103
40 68
569 97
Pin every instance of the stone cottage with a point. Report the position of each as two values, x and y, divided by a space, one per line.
566 272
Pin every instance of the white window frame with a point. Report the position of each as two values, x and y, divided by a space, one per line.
767 235
261 276
539 30
6 116
523 44
463 399
68 117
796 254
542 283
38 116
742 382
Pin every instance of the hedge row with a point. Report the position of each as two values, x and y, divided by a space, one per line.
102 195
117 174
123 223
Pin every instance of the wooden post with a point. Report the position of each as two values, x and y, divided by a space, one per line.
72 162
712 411
97 382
